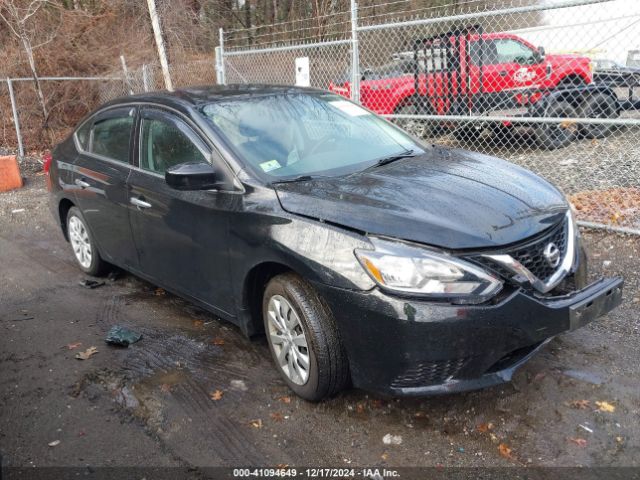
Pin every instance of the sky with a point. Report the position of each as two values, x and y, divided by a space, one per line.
603 30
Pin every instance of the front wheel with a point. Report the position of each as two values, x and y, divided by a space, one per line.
551 136
303 338
84 248
599 105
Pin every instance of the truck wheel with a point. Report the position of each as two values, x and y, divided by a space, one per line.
303 338
598 105
468 133
419 128
552 136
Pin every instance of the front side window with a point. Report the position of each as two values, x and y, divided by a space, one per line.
110 137
512 51
502 50
163 145
82 134
287 135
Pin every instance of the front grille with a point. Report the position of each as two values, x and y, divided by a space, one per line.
431 373
530 254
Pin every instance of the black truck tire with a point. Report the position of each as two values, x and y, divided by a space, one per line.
598 105
551 136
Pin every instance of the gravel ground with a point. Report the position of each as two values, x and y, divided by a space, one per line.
150 404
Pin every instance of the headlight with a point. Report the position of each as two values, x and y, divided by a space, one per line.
407 269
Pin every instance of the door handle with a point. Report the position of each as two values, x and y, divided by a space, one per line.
82 183
139 203
503 73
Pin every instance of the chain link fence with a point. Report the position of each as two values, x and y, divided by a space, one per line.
28 126
550 85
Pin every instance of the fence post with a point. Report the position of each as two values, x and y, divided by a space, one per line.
16 121
220 69
355 54
125 72
145 77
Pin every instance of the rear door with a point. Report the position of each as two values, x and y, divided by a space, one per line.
181 236
99 177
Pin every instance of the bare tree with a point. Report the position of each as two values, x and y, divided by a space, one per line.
18 15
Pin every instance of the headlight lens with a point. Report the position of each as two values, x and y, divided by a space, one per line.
407 269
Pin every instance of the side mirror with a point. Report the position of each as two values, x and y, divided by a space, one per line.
194 176
541 53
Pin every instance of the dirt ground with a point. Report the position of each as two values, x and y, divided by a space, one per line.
575 404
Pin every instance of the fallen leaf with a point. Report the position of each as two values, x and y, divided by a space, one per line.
580 404
619 439
420 415
285 399
605 407
88 353
218 341
359 407
376 403
282 466
539 376
257 423
217 395
389 439
505 451
277 417
55 443
198 323
165 387
484 427
71 346
581 442
159 292
384 456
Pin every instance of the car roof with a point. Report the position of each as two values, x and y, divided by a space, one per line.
193 96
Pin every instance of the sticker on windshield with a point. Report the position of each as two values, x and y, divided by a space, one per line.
270 165
349 108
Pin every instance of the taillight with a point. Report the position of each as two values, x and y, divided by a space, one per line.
47 158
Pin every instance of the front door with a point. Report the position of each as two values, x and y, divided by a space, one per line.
99 176
181 236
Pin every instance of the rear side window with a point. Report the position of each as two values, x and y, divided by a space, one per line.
111 137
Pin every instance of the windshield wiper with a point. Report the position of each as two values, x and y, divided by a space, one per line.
299 178
392 158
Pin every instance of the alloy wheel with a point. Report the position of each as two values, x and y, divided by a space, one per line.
288 339
80 242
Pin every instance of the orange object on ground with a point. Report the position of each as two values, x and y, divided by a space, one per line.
9 173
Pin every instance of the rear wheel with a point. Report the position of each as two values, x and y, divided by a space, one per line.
551 135
598 105
83 245
303 338
417 127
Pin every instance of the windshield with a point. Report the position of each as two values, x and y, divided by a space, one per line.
289 135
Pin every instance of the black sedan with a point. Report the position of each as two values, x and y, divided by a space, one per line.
366 257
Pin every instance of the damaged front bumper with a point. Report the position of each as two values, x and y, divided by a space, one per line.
403 346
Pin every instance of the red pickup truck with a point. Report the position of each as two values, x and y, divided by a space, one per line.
465 72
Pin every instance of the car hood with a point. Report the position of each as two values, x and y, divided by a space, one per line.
452 199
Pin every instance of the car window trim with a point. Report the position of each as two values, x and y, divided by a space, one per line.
107 115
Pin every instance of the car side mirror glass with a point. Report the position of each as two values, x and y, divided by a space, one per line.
541 53
194 176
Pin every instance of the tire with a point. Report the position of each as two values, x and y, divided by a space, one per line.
598 105
468 134
418 128
82 243
328 370
550 136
